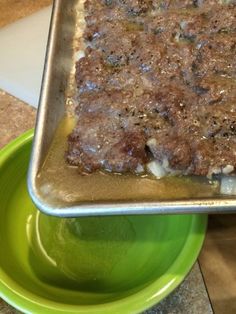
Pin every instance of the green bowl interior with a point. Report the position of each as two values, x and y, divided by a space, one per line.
65 264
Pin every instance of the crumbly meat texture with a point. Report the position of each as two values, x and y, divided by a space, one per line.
158 81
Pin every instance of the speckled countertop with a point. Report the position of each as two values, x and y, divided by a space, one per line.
15 118
12 10
190 298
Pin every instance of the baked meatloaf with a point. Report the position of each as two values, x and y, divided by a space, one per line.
157 82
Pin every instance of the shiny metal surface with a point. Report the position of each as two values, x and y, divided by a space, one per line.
51 110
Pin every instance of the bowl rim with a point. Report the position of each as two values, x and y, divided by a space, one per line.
28 302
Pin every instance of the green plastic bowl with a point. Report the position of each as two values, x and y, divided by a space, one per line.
100 265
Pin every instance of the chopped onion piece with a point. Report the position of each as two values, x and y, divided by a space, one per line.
216 171
156 169
228 186
183 24
152 142
165 164
177 36
80 54
139 169
228 169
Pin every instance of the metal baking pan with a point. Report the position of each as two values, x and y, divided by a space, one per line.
58 65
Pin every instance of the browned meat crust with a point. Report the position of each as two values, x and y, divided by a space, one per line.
163 71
